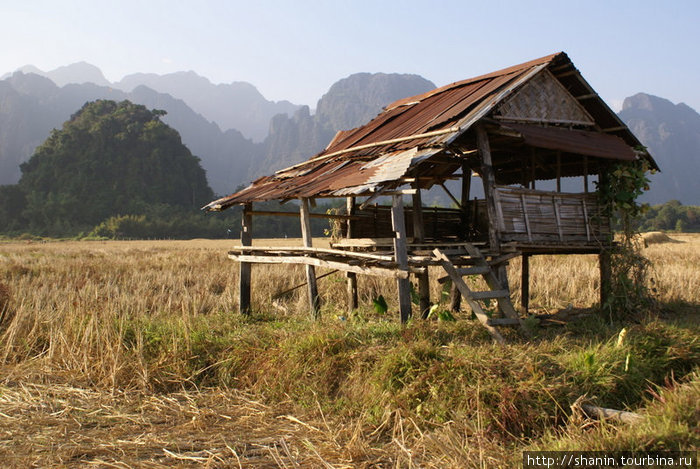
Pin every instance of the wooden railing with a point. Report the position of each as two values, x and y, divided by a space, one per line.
532 216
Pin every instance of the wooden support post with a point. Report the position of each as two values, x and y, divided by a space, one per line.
525 285
468 219
558 171
533 176
585 174
401 254
605 275
351 276
604 257
489 180
245 267
466 189
455 298
419 237
312 288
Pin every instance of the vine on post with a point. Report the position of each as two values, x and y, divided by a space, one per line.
630 295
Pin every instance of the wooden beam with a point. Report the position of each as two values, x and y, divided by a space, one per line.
434 133
244 274
489 181
614 129
419 236
536 120
351 285
467 215
558 171
526 216
314 302
449 194
303 250
602 413
289 290
401 254
296 214
604 258
605 276
467 293
525 285
390 272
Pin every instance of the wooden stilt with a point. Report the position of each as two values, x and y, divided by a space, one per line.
525 285
558 171
455 298
604 258
419 237
312 288
605 276
351 276
245 267
468 215
400 252
489 180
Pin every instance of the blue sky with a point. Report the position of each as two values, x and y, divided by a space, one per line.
296 49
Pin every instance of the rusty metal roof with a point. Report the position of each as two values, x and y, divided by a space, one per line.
412 137
581 142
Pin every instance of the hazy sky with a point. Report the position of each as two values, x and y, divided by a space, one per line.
296 49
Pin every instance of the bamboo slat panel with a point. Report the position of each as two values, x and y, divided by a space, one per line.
539 216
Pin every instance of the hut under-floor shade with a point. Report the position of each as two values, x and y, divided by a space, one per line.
536 121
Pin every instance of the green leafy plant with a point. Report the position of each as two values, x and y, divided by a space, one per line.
380 305
618 191
442 314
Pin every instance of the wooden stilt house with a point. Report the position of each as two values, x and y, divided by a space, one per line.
515 129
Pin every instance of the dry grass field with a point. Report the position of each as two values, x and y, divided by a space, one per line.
131 354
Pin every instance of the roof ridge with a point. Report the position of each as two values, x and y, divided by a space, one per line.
456 84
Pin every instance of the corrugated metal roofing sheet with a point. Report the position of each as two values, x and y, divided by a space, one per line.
413 130
581 142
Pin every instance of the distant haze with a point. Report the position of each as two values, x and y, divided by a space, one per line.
273 135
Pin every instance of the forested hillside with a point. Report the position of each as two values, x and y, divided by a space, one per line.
109 159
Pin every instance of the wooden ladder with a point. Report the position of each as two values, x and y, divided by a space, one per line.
496 291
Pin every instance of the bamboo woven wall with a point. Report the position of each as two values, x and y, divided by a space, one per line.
538 216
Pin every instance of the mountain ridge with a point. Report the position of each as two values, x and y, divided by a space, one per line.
671 132
31 105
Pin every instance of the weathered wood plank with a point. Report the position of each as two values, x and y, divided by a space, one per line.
351 285
289 290
466 293
244 273
525 284
611 414
401 254
490 294
314 300
419 236
489 181
390 272
311 249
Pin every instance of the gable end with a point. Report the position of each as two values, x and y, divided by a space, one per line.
544 99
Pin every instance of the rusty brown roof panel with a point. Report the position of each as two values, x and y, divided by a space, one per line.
581 142
409 131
